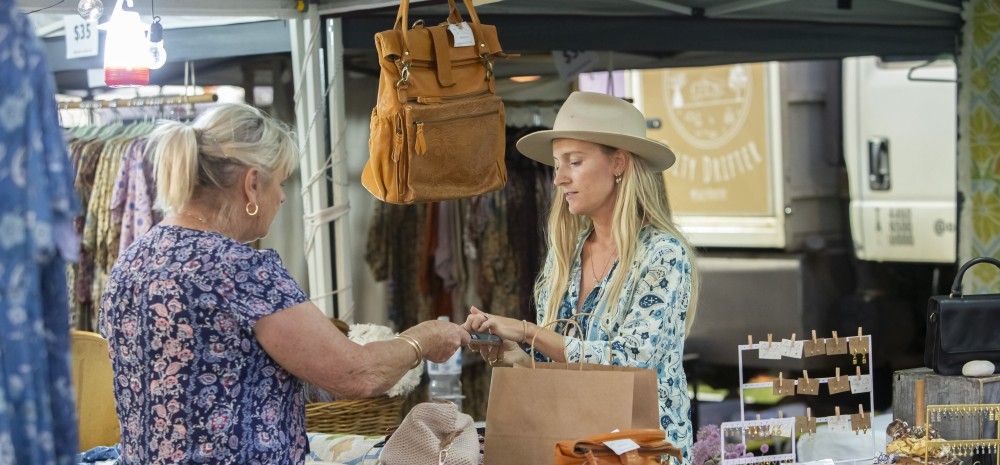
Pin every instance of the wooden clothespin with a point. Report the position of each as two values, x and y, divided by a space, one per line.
793 338
838 384
835 346
808 386
860 332
836 412
805 424
814 347
749 339
770 340
861 421
858 370
781 414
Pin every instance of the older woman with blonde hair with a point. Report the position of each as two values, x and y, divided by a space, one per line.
616 262
210 338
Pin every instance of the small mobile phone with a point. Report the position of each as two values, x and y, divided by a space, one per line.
479 340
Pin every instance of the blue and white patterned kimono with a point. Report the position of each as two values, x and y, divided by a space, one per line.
648 330
37 208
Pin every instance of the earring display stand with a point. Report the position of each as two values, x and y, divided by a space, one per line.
964 447
772 428
854 346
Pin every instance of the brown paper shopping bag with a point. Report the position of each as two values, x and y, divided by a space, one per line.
531 409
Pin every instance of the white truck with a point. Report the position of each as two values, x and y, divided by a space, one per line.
821 195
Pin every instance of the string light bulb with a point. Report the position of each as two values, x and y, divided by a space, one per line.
90 10
126 54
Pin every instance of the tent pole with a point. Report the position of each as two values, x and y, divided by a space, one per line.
310 127
338 128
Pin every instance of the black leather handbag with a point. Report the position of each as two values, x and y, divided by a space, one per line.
962 328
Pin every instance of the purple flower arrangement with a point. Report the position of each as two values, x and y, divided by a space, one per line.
705 450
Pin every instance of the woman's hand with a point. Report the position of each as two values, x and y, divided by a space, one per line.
439 339
507 328
510 354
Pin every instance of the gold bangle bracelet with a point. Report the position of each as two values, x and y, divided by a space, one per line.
416 348
524 331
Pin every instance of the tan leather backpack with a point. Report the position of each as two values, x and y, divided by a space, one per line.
437 130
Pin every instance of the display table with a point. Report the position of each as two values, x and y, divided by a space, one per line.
945 390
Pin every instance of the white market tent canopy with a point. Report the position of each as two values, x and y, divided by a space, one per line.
641 33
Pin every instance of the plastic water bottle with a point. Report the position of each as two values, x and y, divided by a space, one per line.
446 378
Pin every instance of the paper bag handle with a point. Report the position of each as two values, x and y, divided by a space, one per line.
573 321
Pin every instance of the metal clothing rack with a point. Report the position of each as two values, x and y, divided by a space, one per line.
140 102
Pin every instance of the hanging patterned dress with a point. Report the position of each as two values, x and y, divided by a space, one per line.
37 207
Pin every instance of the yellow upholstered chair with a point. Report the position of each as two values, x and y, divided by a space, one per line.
95 399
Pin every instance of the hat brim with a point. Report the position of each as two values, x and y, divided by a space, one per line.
538 146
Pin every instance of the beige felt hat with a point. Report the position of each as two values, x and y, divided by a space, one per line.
601 119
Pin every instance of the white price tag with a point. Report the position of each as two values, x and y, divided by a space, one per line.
569 63
772 351
81 37
621 446
843 423
463 34
861 384
793 349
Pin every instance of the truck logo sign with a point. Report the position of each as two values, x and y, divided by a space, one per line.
942 226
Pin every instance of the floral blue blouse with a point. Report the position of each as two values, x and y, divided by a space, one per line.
648 331
192 383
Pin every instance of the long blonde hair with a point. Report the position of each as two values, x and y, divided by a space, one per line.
210 153
642 199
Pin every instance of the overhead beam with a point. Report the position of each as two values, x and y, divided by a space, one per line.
666 35
349 6
931 5
242 8
668 6
738 5
189 44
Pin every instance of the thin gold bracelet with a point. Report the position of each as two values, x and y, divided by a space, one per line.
524 331
416 347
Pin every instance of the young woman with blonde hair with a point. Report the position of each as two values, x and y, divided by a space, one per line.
209 338
616 261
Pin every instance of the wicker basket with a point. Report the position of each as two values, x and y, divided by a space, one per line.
366 417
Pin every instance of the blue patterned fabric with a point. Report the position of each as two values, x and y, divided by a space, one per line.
37 206
192 383
646 330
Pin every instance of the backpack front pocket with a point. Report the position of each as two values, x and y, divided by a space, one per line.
456 148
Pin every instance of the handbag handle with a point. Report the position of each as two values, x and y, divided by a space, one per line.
403 17
956 287
568 321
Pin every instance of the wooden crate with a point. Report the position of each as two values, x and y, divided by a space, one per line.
946 390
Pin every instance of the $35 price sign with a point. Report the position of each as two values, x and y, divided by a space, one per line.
81 37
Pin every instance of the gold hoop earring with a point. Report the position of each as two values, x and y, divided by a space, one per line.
255 209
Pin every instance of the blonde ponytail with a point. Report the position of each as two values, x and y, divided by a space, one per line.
210 154
175 158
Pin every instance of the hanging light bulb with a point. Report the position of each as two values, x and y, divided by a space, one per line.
91 10
157 53
126 54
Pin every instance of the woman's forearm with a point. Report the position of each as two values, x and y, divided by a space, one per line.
546 341
381 365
